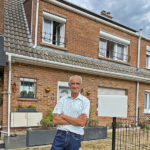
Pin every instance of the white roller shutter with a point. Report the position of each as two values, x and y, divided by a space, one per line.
112 102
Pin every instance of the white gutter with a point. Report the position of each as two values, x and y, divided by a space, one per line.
139 49
36 23
137 102
54 64
138 84
9 92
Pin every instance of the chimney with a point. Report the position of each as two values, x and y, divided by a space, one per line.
106 14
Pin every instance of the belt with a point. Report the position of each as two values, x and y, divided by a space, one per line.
67 132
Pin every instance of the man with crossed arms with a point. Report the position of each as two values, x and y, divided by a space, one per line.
70 114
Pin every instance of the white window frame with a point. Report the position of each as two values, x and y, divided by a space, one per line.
148 57
117 41
61 84
28 80
147 102
61 21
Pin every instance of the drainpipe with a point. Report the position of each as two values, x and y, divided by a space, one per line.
9 92
138 84
139 48
36 23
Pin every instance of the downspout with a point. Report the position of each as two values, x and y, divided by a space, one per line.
138 84
9 92
36 23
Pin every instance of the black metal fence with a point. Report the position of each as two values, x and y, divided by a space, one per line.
132 135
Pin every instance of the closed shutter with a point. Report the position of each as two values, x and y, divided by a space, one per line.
112 102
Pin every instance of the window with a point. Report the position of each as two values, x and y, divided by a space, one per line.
113 47
111 101
112 50
27 88
53 29
147 102
148 57
63 89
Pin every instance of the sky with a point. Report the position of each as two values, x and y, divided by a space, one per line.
131 13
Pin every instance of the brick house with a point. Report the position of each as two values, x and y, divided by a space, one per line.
2 56
47 41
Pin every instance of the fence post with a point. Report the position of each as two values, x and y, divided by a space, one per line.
113 133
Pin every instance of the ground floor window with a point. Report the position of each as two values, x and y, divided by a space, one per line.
147 102
27 88
63 89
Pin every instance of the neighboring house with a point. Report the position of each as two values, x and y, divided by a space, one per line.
47 41
2 57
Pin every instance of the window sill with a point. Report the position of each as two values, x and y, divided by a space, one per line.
146 111
28 99
147 68
112 60
53 46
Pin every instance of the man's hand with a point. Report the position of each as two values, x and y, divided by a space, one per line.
58 120
82 116
79 121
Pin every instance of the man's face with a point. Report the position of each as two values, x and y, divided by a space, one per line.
75 85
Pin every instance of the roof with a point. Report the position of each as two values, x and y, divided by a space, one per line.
95 14
2 54
18 41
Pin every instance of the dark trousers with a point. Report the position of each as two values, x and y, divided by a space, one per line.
65 140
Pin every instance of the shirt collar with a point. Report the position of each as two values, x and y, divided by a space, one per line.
78 97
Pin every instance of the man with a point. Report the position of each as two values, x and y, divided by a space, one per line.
70 114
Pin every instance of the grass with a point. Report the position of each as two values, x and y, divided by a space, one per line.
97 144
103 144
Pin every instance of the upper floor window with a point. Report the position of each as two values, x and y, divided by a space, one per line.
148 57
53 29
113 47
27 88
147 102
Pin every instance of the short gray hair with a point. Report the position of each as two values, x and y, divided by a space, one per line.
77 77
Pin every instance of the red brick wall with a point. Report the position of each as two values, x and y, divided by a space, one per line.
50 77
1 15
82 37
82 34
33 21
143 87
144 43
28 11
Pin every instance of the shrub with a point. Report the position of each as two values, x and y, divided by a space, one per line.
92 123
30 93
20 106
47 122
31 106
23 92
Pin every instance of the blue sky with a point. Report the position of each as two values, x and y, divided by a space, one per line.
132 13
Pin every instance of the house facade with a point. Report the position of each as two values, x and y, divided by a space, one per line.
47 41
2 57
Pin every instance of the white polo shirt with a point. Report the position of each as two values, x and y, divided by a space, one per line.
72 107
